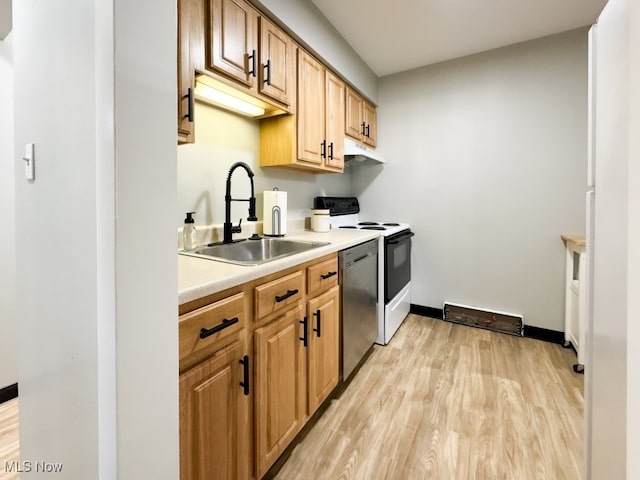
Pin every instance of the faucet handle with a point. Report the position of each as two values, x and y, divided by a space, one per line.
237 229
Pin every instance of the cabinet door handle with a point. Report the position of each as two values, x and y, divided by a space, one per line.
323 149
331 151
305 331
328 275
363 129
267 67
245 374
254 58
367 134
290 293
318 330
189 97
204 332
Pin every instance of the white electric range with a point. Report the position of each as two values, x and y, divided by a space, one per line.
394 261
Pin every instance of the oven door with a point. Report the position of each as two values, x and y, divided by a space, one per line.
397 263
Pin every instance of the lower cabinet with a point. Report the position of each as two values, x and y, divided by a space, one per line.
256 362
214 417
324 351
280 393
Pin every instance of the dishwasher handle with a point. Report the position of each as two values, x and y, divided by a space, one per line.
359 259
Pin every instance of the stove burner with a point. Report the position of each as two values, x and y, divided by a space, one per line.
348 226
391 224
368 223
373 228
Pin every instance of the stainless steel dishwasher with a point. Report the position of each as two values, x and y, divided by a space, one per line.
359 279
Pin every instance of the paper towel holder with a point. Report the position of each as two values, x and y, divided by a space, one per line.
275 227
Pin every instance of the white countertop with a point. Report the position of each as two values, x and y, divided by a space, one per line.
199 277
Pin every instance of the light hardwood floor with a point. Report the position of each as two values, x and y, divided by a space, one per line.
445 401
442 402
9 441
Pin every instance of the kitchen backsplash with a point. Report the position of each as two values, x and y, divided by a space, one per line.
223 138
213 233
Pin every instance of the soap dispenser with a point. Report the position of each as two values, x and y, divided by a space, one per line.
189 234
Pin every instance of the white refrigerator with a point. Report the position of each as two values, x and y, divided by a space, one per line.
613 57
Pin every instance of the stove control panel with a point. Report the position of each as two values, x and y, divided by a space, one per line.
338 205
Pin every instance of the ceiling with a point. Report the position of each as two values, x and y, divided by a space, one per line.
393 36
5 18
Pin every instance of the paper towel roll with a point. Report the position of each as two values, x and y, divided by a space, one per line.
274 219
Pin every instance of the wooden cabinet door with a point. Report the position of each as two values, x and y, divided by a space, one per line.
186 71
214 419
277 63
324 346
280 403
311 110
354 114
370 133
334 118
232 38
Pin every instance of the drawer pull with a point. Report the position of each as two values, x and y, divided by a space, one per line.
305 331
290 293
328 275
318 330
267 67
254 58
204 333
189 96
245 374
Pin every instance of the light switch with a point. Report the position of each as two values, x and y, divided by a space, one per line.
30 166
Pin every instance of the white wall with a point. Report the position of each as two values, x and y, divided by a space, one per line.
223 138
633 261
308 23
146 271
633 313
97 303
486 159
8 336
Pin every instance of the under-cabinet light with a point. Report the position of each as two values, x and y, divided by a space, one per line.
221 95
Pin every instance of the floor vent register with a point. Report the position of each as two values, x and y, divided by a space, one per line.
481 318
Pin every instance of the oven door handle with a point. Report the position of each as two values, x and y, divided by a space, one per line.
401 238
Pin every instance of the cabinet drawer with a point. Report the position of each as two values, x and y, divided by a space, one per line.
322 276
203 327
278 294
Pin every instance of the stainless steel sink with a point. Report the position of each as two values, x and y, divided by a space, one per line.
253 252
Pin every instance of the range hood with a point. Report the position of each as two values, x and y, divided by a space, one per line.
357 154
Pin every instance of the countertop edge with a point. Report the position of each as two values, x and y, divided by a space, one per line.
198 277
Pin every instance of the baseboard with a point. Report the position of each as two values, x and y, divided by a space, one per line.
8 393
426 311
537 333
544 334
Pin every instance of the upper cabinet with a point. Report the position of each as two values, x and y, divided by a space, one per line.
360 118
277 60
313 139
244 46
232 40
229 48
189 21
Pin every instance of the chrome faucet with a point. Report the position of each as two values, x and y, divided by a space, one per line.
229 229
